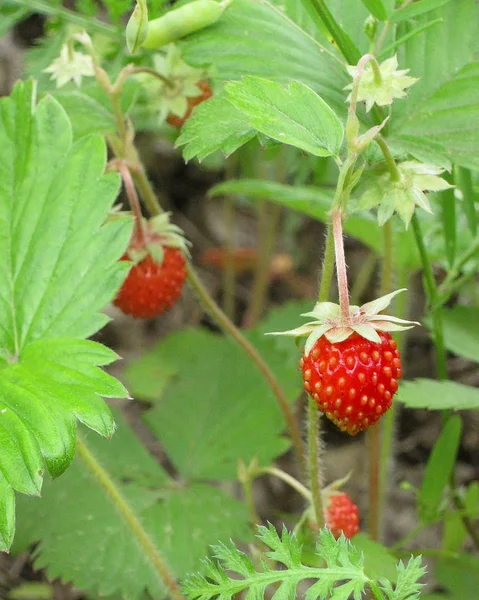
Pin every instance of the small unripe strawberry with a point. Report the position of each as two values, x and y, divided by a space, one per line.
342 516
193 101
353 381
151 288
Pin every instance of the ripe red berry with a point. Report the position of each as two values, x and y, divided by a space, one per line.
342 516
178 122
151 288
353 381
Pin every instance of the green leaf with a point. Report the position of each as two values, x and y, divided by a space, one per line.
214 125
461 331
438 395
295 115
416 9
11 13
378 561
342 576
220 381
443 106
58 270
274 48
438 470
108 558
459 575
376 8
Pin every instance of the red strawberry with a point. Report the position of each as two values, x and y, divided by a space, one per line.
151 288
342 516
350 362
178 122
154 283
353 381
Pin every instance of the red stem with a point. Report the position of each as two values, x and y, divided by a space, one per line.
341 264
138 234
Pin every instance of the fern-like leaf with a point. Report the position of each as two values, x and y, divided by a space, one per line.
342 576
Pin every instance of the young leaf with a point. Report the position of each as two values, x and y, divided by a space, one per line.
59 268
438 395
220 381
461 331
443 105
438 470
214 125
295 115
108 558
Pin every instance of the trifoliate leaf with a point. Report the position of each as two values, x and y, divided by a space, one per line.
59 268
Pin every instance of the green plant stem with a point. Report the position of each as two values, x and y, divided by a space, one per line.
228 327
291 481
247 484
448 285
388 157
376 590
313 461
55 10
343 41
129 517
327 270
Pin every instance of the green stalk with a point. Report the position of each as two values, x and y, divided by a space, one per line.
343 41
130 519
229 328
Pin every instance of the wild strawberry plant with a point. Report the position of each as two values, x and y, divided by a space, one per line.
368 114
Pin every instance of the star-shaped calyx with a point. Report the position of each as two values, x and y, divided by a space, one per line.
365 320
158 233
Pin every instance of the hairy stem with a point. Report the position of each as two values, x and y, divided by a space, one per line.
341 264
138 234
313 461
228 327
130 518
294 483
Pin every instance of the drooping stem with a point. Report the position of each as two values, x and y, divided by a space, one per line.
294 483
341 264
228 327
139 233
130 518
